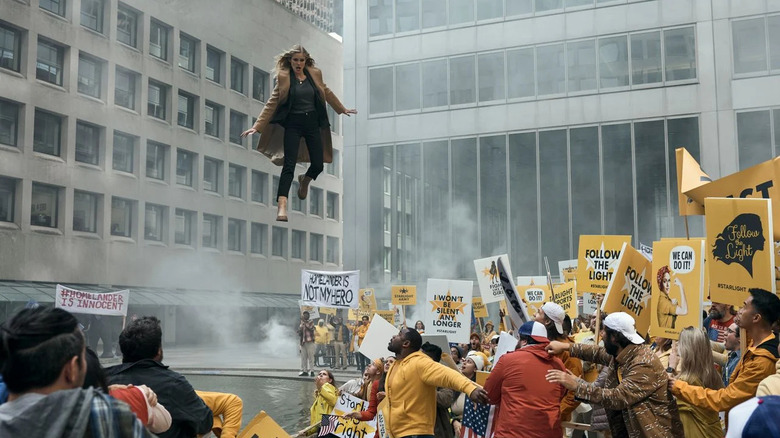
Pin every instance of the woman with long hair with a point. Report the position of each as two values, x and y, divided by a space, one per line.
697 367
325 398
377 371
294 115
668 310
420 327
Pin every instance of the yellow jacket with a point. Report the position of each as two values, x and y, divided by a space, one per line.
325 399
360 333
321 334
227 409
756 364
411 391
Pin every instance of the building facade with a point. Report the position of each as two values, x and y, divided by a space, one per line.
317 12
121 161
515 126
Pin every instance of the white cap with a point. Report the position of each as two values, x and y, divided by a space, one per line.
623 323
478 360
556 313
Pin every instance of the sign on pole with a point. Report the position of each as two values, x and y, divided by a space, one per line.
330 289
450 313
487 278
596 261
565 295
678 277
480 311
404 295
76 301
630 288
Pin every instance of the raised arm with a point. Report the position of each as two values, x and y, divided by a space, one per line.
682 309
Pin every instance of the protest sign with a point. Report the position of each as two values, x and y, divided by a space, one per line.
689 177
263 426
404 295
327 311
349 427
630 288
740 247
438 340
531 280
506 343
565 295
451 311
352 315
378 335
107 303
481 377
381 414
534 297
678 276
589 303
313 312
596 261
399 315
367 300
387 315
567 270
646 251
480 311
330 289
487 278
516 307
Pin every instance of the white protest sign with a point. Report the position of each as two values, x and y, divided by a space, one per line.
589 303
506 343
487 278
349 427
76 301
451 311
313 312
377 337
438 340
330 289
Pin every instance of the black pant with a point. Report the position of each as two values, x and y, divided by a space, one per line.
362 361
300 125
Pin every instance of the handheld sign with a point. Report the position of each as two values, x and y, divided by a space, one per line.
678 276
480 311
517 310
596 261
76 301
630 288
404 295
374 345
565 295
330 289
450 313
263 426
487 278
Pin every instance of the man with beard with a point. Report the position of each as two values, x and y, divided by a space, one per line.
411 387
717 323
635 393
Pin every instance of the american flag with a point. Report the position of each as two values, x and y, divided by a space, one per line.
328 424
478 423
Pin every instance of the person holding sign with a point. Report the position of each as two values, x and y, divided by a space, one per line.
668 310
325 397
635 392
306 343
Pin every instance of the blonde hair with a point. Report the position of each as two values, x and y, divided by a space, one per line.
282 60
697 366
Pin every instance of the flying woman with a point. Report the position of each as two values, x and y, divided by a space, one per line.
295 115
668 310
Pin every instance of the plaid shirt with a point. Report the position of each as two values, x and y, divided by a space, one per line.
306 332
112 418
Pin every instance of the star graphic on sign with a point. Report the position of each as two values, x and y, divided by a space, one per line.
627 287
403 290
486 272
591 260
455 305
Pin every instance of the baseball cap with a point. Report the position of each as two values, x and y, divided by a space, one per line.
535 330
556 313
756 417
474 335
480 359
623 323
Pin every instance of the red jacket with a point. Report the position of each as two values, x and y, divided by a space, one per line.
529 405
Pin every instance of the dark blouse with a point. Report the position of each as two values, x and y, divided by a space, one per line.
303 100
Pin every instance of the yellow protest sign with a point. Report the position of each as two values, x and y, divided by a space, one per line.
630 288
565 295
678 269
740 247
328 310
404 295
263 426
349 427
367 301
481 378
480 311
352 315
387 315
596 260
534 297
567 269
689 177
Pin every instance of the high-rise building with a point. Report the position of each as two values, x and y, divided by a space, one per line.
121 160
316 12
515 126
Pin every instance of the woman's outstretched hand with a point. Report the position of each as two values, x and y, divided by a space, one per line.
350 111
249 131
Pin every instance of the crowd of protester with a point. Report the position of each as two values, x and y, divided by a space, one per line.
562 375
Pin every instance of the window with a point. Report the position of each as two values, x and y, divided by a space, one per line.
124 152
7 199
407 96
407 15
461 11
158 40
434 13
50 61
613 61
334 167
155 160
521 82
121 217
550 69
236 235
260 83
491 76
185 226
48 133
53 6
434 89
185 161
279 242
749 39
210 231
680 54
186 110
158 94
10 48
127 26
212 116
259 187
237 125
333 250
9 122
211 174
519 7
275 190
380 90
124 91
153 222
236 181
581 59
259 238
315 201
754 137
315 247
548 5
489 9
213 65
237 75
462 80
90 74
92 14
380 17
45 205
332 211
646 58
296 203
87 143
85 208
298 247
188 49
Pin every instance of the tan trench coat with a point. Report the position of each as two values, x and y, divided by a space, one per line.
271 143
